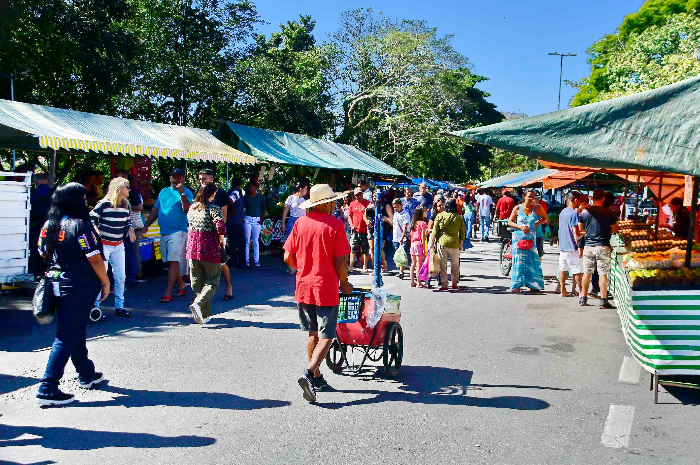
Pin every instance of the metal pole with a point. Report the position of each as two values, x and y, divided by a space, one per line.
636 199
378 242
52 168
561 71
624 197
12 97
228 184
693 218
658 209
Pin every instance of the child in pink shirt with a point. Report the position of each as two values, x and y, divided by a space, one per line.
418 229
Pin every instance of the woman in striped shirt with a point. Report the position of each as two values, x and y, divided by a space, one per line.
111 218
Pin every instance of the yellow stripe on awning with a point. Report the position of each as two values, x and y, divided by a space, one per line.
58 143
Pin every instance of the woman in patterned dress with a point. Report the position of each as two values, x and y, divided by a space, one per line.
205 239
527 268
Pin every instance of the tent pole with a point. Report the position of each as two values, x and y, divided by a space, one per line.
228 184
52 167
636 199
658 210
693 217
624 197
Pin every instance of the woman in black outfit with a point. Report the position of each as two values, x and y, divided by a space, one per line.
77 273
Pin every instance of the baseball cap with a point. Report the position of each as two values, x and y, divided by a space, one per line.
357 190
177 172
207 171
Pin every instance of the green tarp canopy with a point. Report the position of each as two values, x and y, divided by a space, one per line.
295 149
654 130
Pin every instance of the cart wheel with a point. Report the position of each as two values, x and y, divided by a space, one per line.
334 357
95 314
393 350
506 262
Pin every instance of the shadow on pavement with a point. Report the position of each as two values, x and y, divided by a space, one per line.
143 398
9 383
222 323
439 386
19 332
79 439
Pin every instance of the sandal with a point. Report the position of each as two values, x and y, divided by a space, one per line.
413 284
227 297
182 291
166 299
422 286
515 291
583 301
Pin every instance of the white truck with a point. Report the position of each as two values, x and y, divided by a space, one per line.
15 205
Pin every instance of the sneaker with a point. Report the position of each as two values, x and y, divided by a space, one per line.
320 383
583 301
257 264
206 320
57 398
122 312
605 304
307 385
196 313
96 379
401 275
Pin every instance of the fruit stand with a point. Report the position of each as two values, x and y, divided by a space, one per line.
658 300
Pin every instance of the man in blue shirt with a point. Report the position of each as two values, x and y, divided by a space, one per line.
409 203
424 198
171 212
569 232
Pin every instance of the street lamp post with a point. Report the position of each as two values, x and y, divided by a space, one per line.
561 69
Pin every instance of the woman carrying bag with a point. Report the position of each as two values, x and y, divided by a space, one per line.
527 267
205 243
77 273
449 234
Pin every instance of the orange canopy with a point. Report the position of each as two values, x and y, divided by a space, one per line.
665 186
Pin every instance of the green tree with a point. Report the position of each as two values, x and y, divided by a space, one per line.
503 161
400 86
604 53
284 83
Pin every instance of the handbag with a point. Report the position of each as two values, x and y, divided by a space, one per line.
434 265
525 244
44 302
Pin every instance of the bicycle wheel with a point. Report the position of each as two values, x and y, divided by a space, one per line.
506 257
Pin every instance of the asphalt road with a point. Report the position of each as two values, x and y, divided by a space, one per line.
488 377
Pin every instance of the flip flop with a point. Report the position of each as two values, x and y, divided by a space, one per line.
182 291
166 299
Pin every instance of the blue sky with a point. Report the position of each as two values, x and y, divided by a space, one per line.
506 40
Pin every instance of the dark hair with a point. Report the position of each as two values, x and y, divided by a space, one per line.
362 181
609 200
451 206
573 196
300 185
598 194
418 215
676 201
121 171
207 171
235 182
203 194
67 200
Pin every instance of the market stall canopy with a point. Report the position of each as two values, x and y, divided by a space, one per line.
665 186
35 127
653 130
518 179
295 149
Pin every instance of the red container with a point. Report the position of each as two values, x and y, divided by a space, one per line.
359 334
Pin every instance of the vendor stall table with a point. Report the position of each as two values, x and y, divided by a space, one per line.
661 327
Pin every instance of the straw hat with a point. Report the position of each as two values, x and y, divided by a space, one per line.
321 193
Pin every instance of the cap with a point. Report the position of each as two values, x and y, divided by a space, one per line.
357 190
207 171
177 172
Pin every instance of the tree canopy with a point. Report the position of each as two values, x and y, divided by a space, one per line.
653 47
393 87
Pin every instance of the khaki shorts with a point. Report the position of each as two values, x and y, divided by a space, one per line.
597 257
172 249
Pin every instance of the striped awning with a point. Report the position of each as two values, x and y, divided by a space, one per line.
69 130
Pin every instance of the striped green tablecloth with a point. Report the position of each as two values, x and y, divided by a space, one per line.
661 328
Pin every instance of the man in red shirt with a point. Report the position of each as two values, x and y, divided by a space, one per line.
504 207
358 230
318 249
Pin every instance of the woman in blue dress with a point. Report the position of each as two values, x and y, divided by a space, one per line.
527 268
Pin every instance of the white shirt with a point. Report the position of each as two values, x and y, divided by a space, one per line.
400 219
293 202
484 201
367 195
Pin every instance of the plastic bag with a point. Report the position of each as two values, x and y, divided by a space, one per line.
376 308
400 258
424 274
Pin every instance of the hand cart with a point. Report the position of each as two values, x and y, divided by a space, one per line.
383 342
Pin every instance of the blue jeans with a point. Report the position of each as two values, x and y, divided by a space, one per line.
72 314
485 223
